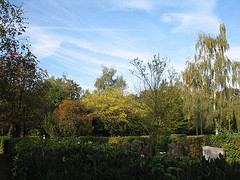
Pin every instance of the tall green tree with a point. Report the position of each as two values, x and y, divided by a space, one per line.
160 94
213 73
21 81
61 89
195 99
108 79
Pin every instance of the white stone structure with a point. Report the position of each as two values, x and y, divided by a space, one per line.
212 152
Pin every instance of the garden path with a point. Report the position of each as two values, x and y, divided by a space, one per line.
5 167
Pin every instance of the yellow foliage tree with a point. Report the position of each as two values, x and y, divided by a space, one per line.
112 107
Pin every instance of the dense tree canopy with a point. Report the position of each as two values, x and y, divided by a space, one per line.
60 89
69 119
107 80
160 95
113 108
21 81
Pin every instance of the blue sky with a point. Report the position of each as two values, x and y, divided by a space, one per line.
77 37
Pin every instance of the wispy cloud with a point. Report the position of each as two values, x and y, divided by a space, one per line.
198 16
136 4
73 62
166 18
45 42
192 22
61 8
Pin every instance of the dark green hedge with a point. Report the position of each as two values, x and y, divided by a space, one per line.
106 140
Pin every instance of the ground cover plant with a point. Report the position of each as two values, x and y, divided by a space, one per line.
35 158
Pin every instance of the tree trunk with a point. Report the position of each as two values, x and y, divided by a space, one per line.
216 128
214 110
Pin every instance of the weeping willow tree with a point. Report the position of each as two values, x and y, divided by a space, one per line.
196 104
214 75
234 111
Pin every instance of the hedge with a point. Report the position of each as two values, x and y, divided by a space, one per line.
105 140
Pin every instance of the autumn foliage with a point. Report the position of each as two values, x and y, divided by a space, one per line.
22 87
71 118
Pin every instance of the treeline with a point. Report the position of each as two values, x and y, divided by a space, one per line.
203 99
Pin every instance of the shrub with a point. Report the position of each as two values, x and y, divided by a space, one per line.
161 141
175 138
173 167
232 152
137 146
126 144
69 119
51 159
47 159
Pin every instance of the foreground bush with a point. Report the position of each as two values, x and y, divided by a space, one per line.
46 159
38 159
